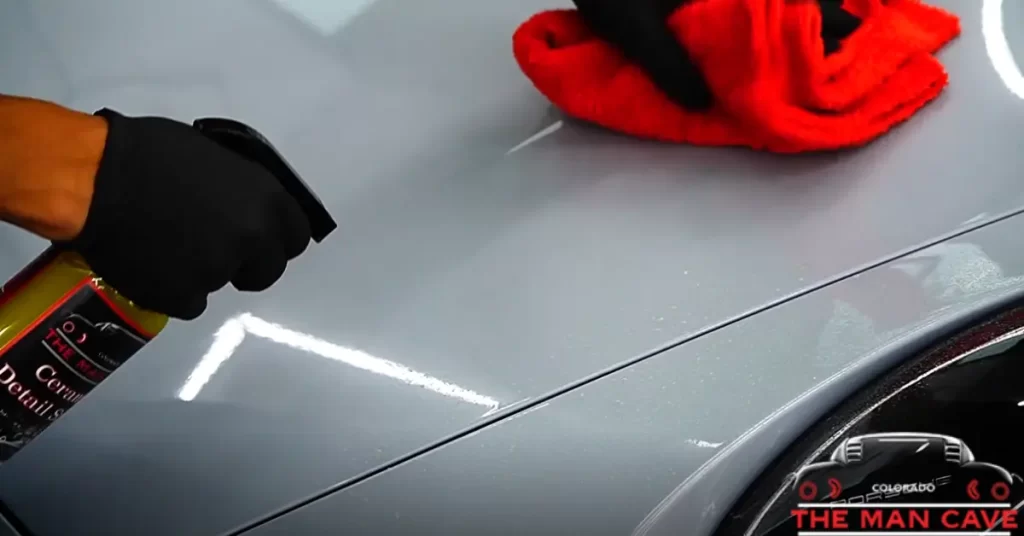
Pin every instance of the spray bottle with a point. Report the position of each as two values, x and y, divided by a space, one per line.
63 330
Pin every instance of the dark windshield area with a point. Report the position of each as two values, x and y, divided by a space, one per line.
946 439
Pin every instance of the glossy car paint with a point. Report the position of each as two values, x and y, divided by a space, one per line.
491 255
664 447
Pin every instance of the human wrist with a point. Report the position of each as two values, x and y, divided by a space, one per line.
49 156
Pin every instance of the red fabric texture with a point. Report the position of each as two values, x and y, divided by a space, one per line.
764 61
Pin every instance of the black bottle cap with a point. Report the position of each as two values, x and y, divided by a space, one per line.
247 142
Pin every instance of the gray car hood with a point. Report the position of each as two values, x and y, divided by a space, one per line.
489 251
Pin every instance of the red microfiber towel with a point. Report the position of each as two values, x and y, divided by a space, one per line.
763 59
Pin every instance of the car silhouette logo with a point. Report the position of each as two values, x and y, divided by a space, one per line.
914 462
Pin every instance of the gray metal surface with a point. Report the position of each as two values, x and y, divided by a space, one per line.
601 459
489 253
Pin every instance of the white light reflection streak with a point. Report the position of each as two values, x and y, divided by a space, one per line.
225 341
228 338
326 16
547 131
998 48
704 444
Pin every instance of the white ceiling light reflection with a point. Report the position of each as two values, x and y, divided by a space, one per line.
325 15
704 444
998 48
229 337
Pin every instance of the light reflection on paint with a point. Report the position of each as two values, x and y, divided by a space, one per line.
545 132
998 48
229 337
225 341
704 444
326 16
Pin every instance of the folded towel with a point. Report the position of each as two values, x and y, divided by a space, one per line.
764 60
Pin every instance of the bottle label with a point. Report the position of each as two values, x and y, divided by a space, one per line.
58 359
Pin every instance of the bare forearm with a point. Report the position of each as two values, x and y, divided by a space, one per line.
48 160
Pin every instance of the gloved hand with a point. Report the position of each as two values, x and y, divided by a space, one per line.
174 217
639 29
836 24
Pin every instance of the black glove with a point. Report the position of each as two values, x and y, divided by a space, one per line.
639 29
175 216
836 24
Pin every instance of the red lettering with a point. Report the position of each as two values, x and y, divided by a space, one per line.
839 519
799 514
886 519
51 338
970 520
871 520
58 345
895 520
819 519
1010 519
979 519
832 518
990 518
90 371
919 519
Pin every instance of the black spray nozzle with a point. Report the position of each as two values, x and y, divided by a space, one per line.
247 142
